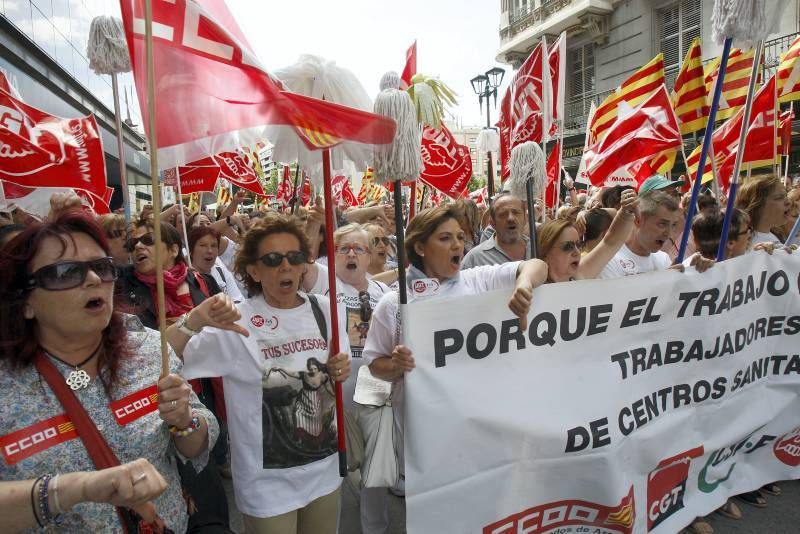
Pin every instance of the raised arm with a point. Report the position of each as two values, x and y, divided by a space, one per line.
592 264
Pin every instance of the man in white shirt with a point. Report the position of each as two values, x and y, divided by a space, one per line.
656 219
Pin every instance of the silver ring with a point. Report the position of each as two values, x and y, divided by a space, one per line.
141 476
174 404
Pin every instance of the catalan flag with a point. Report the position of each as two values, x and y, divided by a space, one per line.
194 202
734 88
633 91
223 196
689 96
369 189
789 74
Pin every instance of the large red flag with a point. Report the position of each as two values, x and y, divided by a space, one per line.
447 164
212 93
636 135
40 150
284 193
521 109
232 166
411 66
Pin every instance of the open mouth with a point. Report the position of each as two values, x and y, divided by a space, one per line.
210 259
94 304
574 264
456 260
351 265
139 258
286 284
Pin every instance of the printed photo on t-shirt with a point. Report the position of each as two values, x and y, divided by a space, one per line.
298 415
357 330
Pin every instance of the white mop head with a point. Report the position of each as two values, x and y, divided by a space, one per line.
402 158
488 141
527 163
390 80
742 20
107 50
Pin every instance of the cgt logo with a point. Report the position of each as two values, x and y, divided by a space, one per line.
787 448
561 516
666 486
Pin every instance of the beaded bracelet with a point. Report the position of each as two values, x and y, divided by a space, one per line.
44 505
33 502
194 426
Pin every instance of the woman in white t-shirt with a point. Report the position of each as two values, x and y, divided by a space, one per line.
435 248
281 420
764 199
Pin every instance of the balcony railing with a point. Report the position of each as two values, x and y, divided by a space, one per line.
576 111
528 15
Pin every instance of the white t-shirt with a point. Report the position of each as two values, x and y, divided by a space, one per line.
281 415
764 237
384 331
226 281
357 329
626 263
228 258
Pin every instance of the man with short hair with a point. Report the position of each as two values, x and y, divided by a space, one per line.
657 217
507 214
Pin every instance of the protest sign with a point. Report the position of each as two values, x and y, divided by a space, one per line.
626 406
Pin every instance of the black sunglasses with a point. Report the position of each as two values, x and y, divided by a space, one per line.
71 274
146 240
365 310
273 259
385 240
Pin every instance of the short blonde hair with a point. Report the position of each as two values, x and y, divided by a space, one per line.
349 229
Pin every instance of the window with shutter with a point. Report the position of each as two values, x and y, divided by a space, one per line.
677 26
582 63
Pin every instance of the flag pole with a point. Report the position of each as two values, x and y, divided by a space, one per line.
776 110
183 216
151 111
412 209
545 119
748 105
334 311
293 201
788 152
701 164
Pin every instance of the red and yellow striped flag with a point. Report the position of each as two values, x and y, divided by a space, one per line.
369 190
635 90
789 74
223 196
689 97
734 88
194 202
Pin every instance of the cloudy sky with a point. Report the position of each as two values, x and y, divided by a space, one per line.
456 39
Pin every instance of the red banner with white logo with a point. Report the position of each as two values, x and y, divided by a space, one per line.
41 150
194 178
284 193
214 95
447 164
342 193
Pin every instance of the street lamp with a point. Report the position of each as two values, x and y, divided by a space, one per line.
485 86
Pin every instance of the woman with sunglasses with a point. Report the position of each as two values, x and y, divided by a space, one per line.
435 249
113 225
285 478
70 366
559 244
381 248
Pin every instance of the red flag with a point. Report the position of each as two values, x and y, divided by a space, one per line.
557 59
194 178
480 196
212 93
284 193
785 130
342 193
40 150
447 165
97 204
6 86
39 204
521 109
553 170
305 194
235 168
411 66
639 134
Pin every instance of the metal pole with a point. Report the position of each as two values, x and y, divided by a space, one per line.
183 216
121 150
489 177
788 152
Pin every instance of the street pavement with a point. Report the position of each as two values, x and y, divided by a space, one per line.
781 516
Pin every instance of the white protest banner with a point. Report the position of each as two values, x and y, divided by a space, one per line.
627 406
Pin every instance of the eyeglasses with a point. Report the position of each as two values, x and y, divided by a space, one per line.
366 309
357 250
71 274
146 240
569 246
274 259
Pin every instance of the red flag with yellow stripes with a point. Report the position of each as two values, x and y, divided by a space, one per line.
734 88
689 97
789 74
633 91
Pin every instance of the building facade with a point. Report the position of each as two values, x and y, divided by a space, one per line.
43 53
608 40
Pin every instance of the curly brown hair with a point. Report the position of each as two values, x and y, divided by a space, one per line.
18 340
248 252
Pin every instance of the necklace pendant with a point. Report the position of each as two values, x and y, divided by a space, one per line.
78 379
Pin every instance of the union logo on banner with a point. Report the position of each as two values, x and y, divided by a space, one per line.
447 164
666 486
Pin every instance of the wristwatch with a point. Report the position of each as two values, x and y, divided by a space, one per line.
182 327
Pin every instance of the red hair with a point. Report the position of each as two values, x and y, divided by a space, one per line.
18 341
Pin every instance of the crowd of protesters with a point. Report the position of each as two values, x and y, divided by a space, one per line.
251 390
